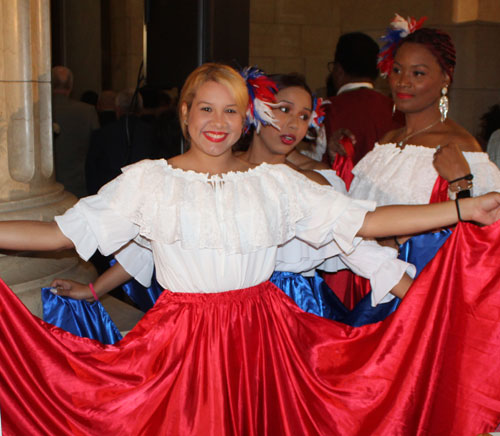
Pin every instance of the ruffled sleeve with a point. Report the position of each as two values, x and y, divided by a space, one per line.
324 215
92 225
381 266
109 220
335 181
237 213
112 221
137 259
486 173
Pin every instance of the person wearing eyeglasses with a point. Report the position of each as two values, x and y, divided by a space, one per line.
357 110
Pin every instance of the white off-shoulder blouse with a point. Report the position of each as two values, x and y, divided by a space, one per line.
369 259
391 175
209 233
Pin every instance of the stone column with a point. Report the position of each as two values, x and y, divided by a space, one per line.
27 184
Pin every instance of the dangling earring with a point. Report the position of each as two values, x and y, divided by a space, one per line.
393 109
443 103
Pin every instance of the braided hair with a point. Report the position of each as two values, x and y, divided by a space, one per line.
439 43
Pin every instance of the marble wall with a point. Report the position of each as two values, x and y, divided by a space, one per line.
26 159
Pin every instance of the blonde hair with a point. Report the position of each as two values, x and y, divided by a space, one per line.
219 73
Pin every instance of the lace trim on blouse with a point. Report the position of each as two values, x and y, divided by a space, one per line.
238 212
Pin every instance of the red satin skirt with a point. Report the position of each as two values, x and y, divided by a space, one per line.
250 362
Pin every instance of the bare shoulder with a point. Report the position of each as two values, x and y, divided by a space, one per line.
321 166
390 136
176 161
312 164
305 162
315 177
462 138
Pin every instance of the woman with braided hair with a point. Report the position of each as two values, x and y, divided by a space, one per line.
432 158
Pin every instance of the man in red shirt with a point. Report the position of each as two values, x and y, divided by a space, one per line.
357 107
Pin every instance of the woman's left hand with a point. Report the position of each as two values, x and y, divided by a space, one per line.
450 162
72 289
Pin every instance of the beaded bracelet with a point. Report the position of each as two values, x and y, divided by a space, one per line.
91 286
459 188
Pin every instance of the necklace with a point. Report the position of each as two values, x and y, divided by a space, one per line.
411 135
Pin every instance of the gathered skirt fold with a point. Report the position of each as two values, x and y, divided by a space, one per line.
250 362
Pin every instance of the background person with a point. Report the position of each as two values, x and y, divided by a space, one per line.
356 105
74 122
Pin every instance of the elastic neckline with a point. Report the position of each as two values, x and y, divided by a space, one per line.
231 175
431 150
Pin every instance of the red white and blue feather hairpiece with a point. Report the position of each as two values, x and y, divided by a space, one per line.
397 30
316 123
262 98
318 112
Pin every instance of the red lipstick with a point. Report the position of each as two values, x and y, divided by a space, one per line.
288 139
215 136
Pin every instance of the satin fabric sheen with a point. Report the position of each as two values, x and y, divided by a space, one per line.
79 317
439 191
350 304
250 362
418 250
91 320
343 165
354 290
349 287
143 297
311 294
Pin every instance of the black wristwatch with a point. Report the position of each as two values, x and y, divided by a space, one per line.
463 194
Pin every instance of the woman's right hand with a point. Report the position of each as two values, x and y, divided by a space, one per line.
450 162
484 209
335 142
72 289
